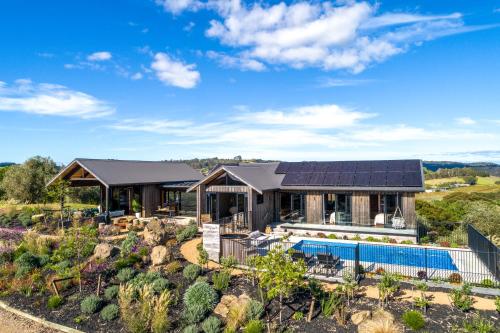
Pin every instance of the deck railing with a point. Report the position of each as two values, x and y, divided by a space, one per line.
425 263
236 223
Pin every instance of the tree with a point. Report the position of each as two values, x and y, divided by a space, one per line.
484 216
279 275
27 182
58 191
3 170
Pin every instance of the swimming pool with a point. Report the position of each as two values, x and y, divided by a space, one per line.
383 254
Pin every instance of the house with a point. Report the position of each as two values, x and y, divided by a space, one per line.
152 184
342 197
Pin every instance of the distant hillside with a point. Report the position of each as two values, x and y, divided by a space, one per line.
207 164
4 164
491 168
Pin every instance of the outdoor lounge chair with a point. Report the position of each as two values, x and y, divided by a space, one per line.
327 262
297 255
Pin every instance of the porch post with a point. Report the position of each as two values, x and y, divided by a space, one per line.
107 203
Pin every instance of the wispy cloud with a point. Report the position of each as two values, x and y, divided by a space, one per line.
99 56
174 72
465 121
334 82
236 62
51 99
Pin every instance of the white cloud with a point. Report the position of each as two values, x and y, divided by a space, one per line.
51 99
236 62
314 116
177 6
175 73
136 76
465 121
99 56
345 35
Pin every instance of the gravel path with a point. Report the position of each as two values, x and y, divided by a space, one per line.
11 323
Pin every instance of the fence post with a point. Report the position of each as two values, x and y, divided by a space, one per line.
356 262
426 264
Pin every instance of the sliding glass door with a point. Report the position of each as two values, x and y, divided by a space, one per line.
343 213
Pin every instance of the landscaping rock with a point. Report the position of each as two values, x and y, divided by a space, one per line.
155 233
77 215
380 318
105 250
358 317
159 255
229 301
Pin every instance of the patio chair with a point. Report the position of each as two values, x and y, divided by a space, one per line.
298 255
327 262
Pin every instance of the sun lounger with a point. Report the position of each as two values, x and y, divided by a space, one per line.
327 262
298 255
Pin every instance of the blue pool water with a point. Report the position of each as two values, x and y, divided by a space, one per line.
383 254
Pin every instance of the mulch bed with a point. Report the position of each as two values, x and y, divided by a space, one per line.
440 318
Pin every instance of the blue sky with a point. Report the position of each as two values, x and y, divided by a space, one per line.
169 79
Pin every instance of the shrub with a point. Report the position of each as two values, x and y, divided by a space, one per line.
461 298
159 285
154 279
201 279
253 310
145 312
236 317
228 262
444 244
387 286
128 261
126 274
129 243
497 303
199 299
320 235
191 272
408 242
383 326
221 280
475 325
173 267
414 320
380 271
455 278
111 292
90 304
487 283
186 233
298 315
110 312
211 325
372 239
332 236
25 263
54 302
422 275
254 326
190 329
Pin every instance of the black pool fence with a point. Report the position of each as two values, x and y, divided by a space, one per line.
412 261
486 250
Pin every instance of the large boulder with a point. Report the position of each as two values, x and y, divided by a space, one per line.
159 255
229 301
105 250
155 233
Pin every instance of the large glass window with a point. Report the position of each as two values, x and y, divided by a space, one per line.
344 209
383 207
329 207
293 207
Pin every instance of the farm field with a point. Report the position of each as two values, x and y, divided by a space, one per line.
484 185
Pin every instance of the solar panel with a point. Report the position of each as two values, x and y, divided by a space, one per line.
317 178
282 167
347 166
412 165
333 167
296 178
378 179
294 167
363 166
395 165
346 179
378 165
412 179
362 179
320 167
395 178
331 179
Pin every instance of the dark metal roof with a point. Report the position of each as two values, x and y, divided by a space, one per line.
358 174
123 172
387 175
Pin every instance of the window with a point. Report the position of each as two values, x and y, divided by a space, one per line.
260 199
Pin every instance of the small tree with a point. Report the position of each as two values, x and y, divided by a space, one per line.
202 256
58 191
483 216
387 287
316 293
279 275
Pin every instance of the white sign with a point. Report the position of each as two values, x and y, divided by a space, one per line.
211 240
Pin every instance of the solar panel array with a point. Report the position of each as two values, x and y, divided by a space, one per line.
390 173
